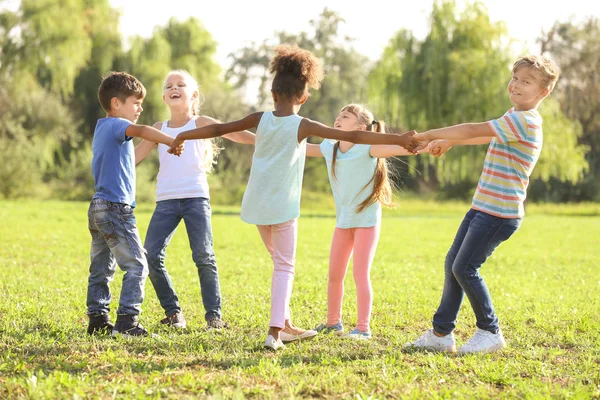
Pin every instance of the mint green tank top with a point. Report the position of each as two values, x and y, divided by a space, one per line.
354 170
275 184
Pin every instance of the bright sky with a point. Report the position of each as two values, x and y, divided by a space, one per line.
371 24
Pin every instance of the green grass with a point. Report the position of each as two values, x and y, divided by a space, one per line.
545 283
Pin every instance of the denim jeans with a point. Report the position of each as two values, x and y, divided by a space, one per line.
196 214
115 240
478 236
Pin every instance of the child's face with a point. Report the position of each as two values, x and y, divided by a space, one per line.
178 91
347 121
130 109
525 89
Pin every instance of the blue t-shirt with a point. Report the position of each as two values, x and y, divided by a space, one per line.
113 161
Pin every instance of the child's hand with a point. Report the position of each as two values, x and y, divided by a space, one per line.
407 141
176 146
438 147
422 142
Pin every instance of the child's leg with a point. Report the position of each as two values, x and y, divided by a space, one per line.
444 320
197 215
102 265
130 256
164 222
365 244
280 240
341 250
485 234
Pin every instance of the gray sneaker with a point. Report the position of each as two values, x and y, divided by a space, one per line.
216 323
175 320
337 329
430 341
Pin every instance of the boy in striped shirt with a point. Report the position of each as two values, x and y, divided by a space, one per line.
515 142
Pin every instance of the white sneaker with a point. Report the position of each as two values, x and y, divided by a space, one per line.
483 342
429 341
273 344
288 337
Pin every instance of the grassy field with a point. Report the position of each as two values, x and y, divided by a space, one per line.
545 283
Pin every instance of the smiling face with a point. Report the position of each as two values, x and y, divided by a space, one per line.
348 122
180 91
526 89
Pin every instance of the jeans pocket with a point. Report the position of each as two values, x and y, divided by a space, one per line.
108 231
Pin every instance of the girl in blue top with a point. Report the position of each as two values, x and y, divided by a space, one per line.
272 197
358 175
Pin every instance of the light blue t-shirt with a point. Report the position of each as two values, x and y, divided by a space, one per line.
275 184
113 161
353 170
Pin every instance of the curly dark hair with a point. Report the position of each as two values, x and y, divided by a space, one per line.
120 85
295 69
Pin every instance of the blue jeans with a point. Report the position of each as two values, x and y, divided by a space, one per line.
196 214
115 240
478 236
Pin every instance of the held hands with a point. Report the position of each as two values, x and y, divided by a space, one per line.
176 146
438 147
422 141
407 141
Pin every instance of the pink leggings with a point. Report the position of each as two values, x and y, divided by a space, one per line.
364 243
280 241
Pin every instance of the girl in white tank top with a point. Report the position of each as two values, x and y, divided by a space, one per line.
182 193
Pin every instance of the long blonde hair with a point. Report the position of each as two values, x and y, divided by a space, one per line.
211 148
382 187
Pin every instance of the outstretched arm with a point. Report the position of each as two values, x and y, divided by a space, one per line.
312 128
455 132
390 150
244 137
219 129
145 147
148 133
440 146
313 150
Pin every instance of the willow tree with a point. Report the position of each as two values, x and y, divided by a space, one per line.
458 73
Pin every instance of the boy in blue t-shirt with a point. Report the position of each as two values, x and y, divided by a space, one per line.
115 237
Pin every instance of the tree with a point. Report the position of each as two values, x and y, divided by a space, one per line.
345 70
576 49
458 74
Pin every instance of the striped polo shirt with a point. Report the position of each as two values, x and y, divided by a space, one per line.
509 162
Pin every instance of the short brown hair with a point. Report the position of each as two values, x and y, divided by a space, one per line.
545 67
120 85
294 70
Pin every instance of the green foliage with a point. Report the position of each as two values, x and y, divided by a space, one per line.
575 46
544 282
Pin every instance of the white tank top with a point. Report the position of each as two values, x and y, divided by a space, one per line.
185 176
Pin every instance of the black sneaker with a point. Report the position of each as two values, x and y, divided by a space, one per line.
216 323
99 325
176 320
128 325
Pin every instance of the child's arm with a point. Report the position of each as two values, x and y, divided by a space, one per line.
390 150
244 137
145 147
148 133
456 132
440 146
313 150
219 129
312 128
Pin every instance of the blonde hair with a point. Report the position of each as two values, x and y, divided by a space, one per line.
545 68
382 186
211 149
